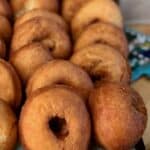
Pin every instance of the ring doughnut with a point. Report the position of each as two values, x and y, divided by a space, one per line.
2 49
96 33
126 112
5 28
21 6
5 9
41 13
8 128
103 63
95 11
64 121
10 87
45 31
60 72
70 8
33 56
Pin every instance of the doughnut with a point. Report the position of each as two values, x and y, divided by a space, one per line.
45 31
60 72
2 49
28 59
5 9
8 127
71 7
64 122
103 33
102 62
5 28
41 13
10 88
96 11
21 6
120 111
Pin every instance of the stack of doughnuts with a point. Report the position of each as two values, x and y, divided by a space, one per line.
100 44
71 59
117 111
59 94
39 36
10 86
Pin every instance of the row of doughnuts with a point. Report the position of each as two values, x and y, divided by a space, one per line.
10 86
39 36
118 113
70 101
52 42
100 43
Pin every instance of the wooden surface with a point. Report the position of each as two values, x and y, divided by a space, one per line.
142 28
143 87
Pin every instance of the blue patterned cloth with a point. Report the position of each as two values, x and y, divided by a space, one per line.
139 57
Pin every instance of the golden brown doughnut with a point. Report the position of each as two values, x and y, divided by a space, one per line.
5 28
41 13
60 72
63 123
70 8
45 31
103 33
10 88
8 127
21 6
119 116
2 49
5 9
103 63
95 11
28 59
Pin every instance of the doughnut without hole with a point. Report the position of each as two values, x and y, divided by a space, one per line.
119 116
46 32
104 33
64 121
61 72
28 59
103 63
96 11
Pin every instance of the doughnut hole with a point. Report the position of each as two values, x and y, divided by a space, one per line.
58 126
50 44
